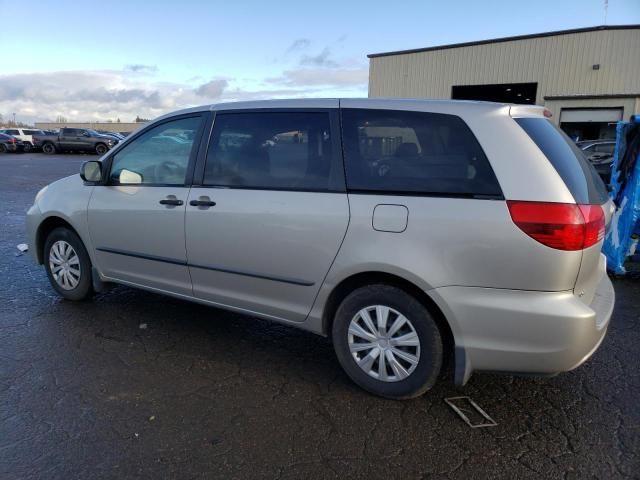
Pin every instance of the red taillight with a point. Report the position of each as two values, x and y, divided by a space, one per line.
593 223
12 140
563 226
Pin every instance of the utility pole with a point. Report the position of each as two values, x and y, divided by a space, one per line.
14 119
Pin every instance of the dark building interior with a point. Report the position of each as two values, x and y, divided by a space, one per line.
523 93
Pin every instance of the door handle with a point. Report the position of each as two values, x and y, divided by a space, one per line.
171 201
205 202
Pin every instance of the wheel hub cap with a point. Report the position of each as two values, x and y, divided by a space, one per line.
384 343
65 265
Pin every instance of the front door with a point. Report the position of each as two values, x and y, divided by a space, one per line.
136 221
268 219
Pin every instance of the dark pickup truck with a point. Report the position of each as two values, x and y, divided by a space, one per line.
75 140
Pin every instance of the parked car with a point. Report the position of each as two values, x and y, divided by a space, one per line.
408 231
115 135
25 135
600 154
75 140
10 144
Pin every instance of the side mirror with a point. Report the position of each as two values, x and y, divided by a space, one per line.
91 171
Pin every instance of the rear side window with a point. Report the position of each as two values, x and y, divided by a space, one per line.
388 151
273 150
578 174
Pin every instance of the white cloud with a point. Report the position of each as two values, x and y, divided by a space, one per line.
333 77
213 89
321 59
299 44
96 95
140 68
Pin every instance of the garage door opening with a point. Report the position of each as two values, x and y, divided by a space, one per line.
590 123
523 93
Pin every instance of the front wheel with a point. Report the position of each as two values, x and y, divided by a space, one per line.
68 264
387 342
49 148
101 149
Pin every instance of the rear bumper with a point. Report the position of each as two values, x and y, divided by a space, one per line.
527 332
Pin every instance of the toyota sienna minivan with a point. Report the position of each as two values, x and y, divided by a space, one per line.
408 231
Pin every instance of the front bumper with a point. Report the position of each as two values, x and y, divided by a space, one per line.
527 332
34 217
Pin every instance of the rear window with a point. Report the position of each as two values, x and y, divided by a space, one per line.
578 174
399 152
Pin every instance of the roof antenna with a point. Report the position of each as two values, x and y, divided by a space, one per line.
606 10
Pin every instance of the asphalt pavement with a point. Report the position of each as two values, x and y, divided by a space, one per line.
87 392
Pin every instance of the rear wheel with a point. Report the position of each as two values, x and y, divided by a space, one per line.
49 148
3 148
387 342
68 264
101 149
27 147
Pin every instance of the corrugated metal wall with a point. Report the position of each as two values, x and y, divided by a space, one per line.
561 65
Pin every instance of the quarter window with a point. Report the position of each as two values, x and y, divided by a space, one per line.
160 156
274 150
414 152
578 174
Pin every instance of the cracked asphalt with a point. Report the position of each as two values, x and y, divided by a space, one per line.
203 393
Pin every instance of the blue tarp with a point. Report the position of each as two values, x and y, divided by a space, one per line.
625 191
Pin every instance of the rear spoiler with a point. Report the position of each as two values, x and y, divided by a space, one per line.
516 111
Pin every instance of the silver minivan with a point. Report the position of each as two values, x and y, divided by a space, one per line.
411 232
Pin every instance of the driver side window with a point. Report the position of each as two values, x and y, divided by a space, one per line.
160 156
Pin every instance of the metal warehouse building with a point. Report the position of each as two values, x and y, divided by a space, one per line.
588 78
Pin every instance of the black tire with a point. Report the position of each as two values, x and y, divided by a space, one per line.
3 148
101 149
27 147
48 148
84 288
426 372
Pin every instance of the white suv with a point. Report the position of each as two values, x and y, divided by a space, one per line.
24 134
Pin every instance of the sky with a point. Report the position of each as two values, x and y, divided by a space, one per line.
91 60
